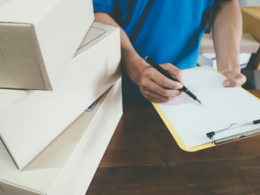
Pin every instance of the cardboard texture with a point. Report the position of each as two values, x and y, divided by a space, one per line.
251 21
69 163
31 119
251 24
38 39
248 44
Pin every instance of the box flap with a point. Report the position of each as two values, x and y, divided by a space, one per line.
21 59
96 33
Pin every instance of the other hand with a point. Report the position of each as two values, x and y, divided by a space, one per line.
235 78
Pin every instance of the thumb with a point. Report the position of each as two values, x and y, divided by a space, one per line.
230 83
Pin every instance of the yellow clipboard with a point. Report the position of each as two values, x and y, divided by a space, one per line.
176 135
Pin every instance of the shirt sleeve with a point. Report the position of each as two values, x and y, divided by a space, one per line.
106 6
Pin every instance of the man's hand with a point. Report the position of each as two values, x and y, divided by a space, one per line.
152 84
235 78
156 87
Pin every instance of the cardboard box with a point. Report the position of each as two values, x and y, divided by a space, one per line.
251 21
38 39
31 119
68 164
248 44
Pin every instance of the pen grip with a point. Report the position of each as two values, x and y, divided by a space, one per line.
163 72
174 79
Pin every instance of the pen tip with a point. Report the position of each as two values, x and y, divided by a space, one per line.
199 101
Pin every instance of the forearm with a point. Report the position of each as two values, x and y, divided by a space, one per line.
227 32
129 55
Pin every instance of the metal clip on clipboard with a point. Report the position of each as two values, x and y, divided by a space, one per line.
210 135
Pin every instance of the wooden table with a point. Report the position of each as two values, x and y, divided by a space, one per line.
143 158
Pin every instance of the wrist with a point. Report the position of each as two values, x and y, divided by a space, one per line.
229 66
133 64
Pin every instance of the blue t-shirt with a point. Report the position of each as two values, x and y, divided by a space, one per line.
168 31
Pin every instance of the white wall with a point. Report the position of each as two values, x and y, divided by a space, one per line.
249 3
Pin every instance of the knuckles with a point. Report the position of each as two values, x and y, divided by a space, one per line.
171 94
174 69
146 93
165 93
166 99
148 72
165 82
143 83
233 83
168 65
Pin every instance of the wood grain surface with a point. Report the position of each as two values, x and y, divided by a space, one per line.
143 158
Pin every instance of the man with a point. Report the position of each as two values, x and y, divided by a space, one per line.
170 31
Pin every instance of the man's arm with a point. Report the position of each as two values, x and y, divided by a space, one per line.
152 84
227 33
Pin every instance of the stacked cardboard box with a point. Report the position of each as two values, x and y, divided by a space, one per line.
251 24
30 117
38 39
53 48
68 164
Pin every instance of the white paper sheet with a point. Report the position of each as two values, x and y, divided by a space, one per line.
221 107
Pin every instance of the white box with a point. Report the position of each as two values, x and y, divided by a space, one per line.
209 59
30 120
68 164
38 38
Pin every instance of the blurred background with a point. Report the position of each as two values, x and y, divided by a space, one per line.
249 3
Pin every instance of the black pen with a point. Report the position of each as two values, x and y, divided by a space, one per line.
165 73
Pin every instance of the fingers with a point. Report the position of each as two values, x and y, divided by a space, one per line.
155 88
234 79
155 92
154 97
161 80
173 70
